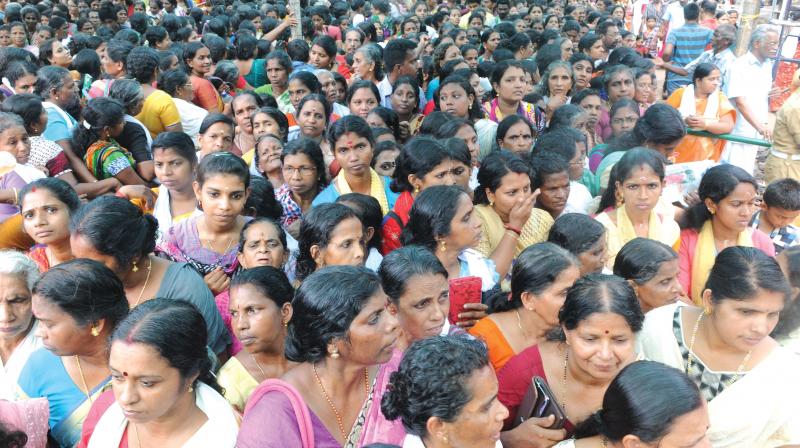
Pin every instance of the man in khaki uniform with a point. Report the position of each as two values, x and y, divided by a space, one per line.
784 157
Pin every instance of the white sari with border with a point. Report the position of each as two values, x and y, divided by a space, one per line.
760 410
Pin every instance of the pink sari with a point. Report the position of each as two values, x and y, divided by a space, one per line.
29 416
276 416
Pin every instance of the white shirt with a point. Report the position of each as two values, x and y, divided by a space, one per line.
9 372
192 117
579 198
752 80
674 15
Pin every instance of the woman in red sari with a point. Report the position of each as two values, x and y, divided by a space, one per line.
422 163
599 322
197 58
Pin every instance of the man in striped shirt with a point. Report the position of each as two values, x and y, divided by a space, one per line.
684 45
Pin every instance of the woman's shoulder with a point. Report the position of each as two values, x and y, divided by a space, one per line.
329 194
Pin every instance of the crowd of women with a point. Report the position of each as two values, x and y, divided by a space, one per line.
414 224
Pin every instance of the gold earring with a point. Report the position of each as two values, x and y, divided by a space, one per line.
285 324
707 311
191 389
335 354
443 245
620 200
491 203
416 190
711 211
95 331
135 268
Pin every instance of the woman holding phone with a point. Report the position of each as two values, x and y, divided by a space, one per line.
599 322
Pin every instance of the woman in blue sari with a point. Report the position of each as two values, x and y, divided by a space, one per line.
78 304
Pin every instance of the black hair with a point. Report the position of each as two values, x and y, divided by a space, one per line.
179 142
458 151
87 62
790 316
118 51
57 187
214 118
327 44
431 214
223 163
576 232
389 117
475 112
404 263
368 210
506 123
128 92
155 34
171 80
327 107
560 141
535 269
546 164
782 193
586 42
563 116
644 399
691 11
500 69
50 78
99 113
600 293
278 116
298 49
316 229
262 220
311 149
261 201
16 69
740 272
46 51
117 228
623 170
703 70
362 84
493 168
325 306
142 64
165 59
27 106
432 381
129 35
434 121
86 290
395 53
177 331
308 79
268 281
418 157
716 184
189 52
349 123
282 58
641 258
245 43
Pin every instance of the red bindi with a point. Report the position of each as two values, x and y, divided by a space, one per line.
33 189
606 331
124 373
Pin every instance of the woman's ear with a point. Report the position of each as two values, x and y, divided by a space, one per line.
710 205
197 190
286 312
317 255
631 441
369 232
708 304
528 300
437 429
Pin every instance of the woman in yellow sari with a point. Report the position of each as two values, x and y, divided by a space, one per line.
704 108
71 371
504 204
629 204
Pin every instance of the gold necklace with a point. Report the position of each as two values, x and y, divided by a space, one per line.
564 385
519 324
146 279
210 244
136 432
330 402
739 369
83 379
263 375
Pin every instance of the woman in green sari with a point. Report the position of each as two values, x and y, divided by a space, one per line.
93 140
78 304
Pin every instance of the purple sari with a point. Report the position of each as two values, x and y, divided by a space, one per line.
276 416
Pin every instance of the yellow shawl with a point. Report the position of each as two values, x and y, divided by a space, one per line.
534 231
659 228
375 189
705 252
